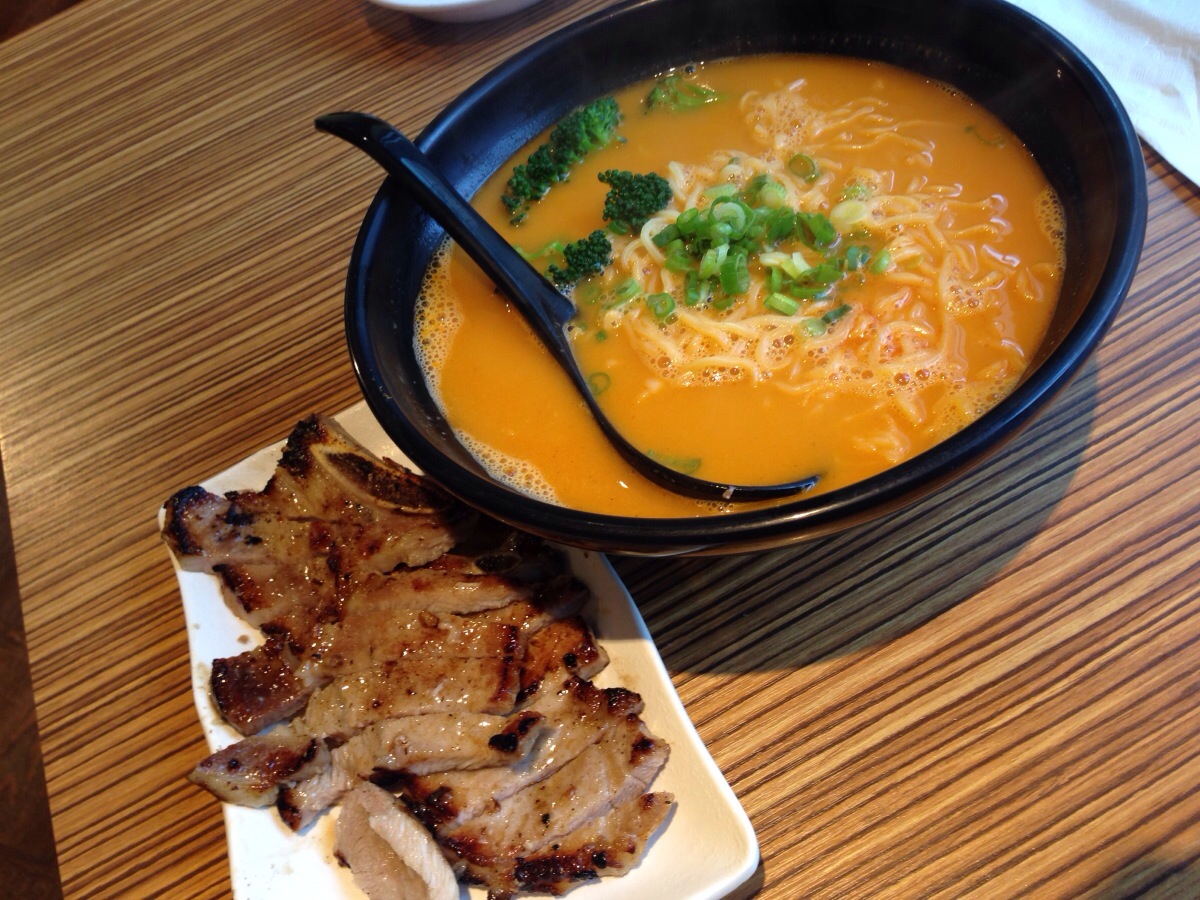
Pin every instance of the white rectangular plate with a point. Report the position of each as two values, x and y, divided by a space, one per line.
706 849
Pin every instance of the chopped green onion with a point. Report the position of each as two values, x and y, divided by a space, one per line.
725 189
627 289
669 233
812 327
815 230
810 291
780 223
997 141
776 260
733 213
662 305
856 257
880 263
764 190
847 214
781 303
825 272
855 190
598 383
553 247
773 195
683 464
804 166
719 233
834 314
735 276
816 327
709 263
678 260
687 221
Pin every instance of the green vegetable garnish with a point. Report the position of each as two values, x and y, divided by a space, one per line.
662 305
804 166
781 303
685 464
584 130
598 383
678 91
587 256
735 275
633 198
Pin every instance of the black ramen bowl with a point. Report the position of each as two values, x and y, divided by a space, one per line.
1039 84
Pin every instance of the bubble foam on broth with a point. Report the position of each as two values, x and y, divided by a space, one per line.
516 473
1053 222
437 317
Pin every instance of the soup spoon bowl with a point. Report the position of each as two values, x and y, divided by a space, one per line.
547 310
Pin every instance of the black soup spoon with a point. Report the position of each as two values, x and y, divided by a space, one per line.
546 309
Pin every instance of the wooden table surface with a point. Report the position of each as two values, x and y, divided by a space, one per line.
994 693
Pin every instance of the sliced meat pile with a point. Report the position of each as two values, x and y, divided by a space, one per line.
423 667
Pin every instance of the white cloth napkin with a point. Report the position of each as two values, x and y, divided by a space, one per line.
1149 51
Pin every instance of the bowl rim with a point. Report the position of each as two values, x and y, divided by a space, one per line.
807 516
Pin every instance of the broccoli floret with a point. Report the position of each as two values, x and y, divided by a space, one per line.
584 130
679 91
633 198
587 256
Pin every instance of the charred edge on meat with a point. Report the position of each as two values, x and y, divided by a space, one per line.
622 701
642 748
434 809
509 740
546 873
400 489
297 457
177 508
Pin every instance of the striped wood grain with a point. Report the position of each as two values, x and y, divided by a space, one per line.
989 693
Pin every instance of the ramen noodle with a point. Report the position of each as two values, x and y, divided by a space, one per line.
920 313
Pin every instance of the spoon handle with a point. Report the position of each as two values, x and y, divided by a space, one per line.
546 310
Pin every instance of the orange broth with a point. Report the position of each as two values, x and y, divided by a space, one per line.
505 397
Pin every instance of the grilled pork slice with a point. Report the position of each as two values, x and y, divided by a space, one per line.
324 473
559 598
574 718
390 854
435 742
608 845
565 645
378 511
271 683
249 772
408 687
283 600
366 639
449 585
259 688
604 776
204 529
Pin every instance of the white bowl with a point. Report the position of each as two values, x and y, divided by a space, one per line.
457 10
